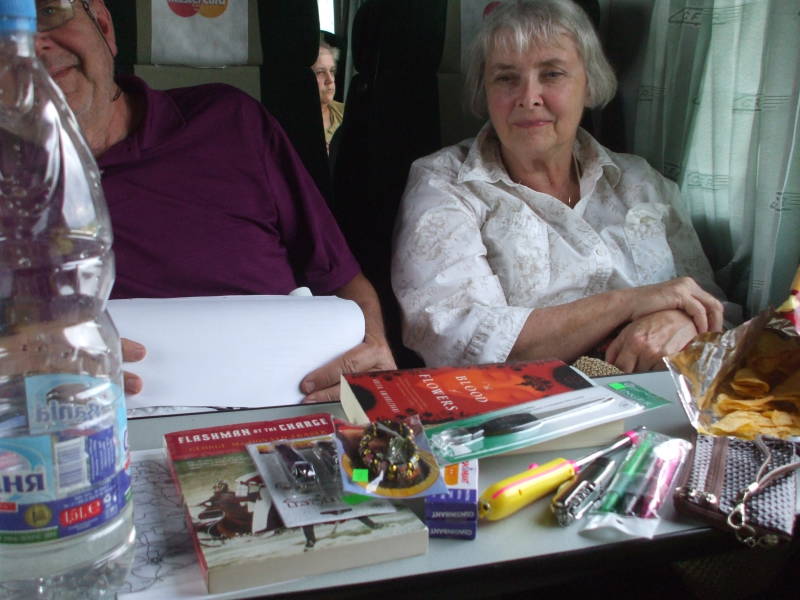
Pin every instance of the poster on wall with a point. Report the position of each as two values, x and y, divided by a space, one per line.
204 33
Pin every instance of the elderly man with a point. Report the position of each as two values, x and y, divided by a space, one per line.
206 194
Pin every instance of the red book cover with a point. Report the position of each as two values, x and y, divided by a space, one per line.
224 439
443 394
239 537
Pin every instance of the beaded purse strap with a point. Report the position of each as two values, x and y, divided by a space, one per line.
737 519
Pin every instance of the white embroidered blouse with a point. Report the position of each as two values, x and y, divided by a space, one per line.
475 252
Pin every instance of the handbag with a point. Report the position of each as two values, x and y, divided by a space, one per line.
746 487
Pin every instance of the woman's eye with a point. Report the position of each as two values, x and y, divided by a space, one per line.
553 74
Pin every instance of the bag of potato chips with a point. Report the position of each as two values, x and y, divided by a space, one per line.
745 381
791 308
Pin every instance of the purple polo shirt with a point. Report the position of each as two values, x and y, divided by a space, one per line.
208 197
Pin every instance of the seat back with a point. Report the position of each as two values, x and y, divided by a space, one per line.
134 32
391 119
290 44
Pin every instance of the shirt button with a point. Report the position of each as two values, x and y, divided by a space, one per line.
599 252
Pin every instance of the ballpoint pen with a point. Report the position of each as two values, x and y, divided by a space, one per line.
476 437
640 481
628 472
509 495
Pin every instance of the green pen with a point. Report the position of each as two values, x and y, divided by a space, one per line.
629 470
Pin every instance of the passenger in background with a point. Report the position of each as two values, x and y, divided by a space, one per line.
532 240
325 71
206 194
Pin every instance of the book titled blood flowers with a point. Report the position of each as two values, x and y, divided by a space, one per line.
443 394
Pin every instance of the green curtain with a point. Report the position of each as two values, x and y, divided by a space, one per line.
718 112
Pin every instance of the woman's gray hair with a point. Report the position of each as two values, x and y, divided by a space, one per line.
323 45
519 24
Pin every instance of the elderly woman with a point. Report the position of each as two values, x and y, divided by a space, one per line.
532 240
325 71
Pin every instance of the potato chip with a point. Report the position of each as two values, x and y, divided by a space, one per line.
782 418
748 424
742 423
726 403
748 383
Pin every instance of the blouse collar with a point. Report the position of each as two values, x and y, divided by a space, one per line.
484 162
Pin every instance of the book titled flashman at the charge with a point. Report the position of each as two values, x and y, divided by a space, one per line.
238 535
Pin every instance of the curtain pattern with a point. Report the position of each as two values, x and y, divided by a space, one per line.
717 111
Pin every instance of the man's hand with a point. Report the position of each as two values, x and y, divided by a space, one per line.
683 294
373 354
132 352
642 343
322 385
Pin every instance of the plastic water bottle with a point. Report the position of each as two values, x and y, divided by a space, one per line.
66 526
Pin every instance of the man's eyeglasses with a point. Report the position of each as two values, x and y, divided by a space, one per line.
51 14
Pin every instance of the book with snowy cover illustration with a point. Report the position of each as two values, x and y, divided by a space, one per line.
238 535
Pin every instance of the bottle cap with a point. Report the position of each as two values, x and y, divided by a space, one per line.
17 15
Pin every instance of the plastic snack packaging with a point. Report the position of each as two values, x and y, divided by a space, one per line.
745 381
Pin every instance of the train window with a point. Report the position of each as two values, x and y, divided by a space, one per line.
326 20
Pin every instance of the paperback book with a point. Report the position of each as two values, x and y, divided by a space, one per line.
445 394
238 535
442 394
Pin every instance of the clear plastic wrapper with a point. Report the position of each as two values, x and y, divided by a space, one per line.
538 421
632 504
303 479
387 459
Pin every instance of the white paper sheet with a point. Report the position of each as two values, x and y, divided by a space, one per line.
240 351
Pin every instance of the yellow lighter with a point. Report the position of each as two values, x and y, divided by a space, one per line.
509 495
512 493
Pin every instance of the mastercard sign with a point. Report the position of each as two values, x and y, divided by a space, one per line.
205 8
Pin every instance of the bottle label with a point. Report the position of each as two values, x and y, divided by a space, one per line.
72 473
